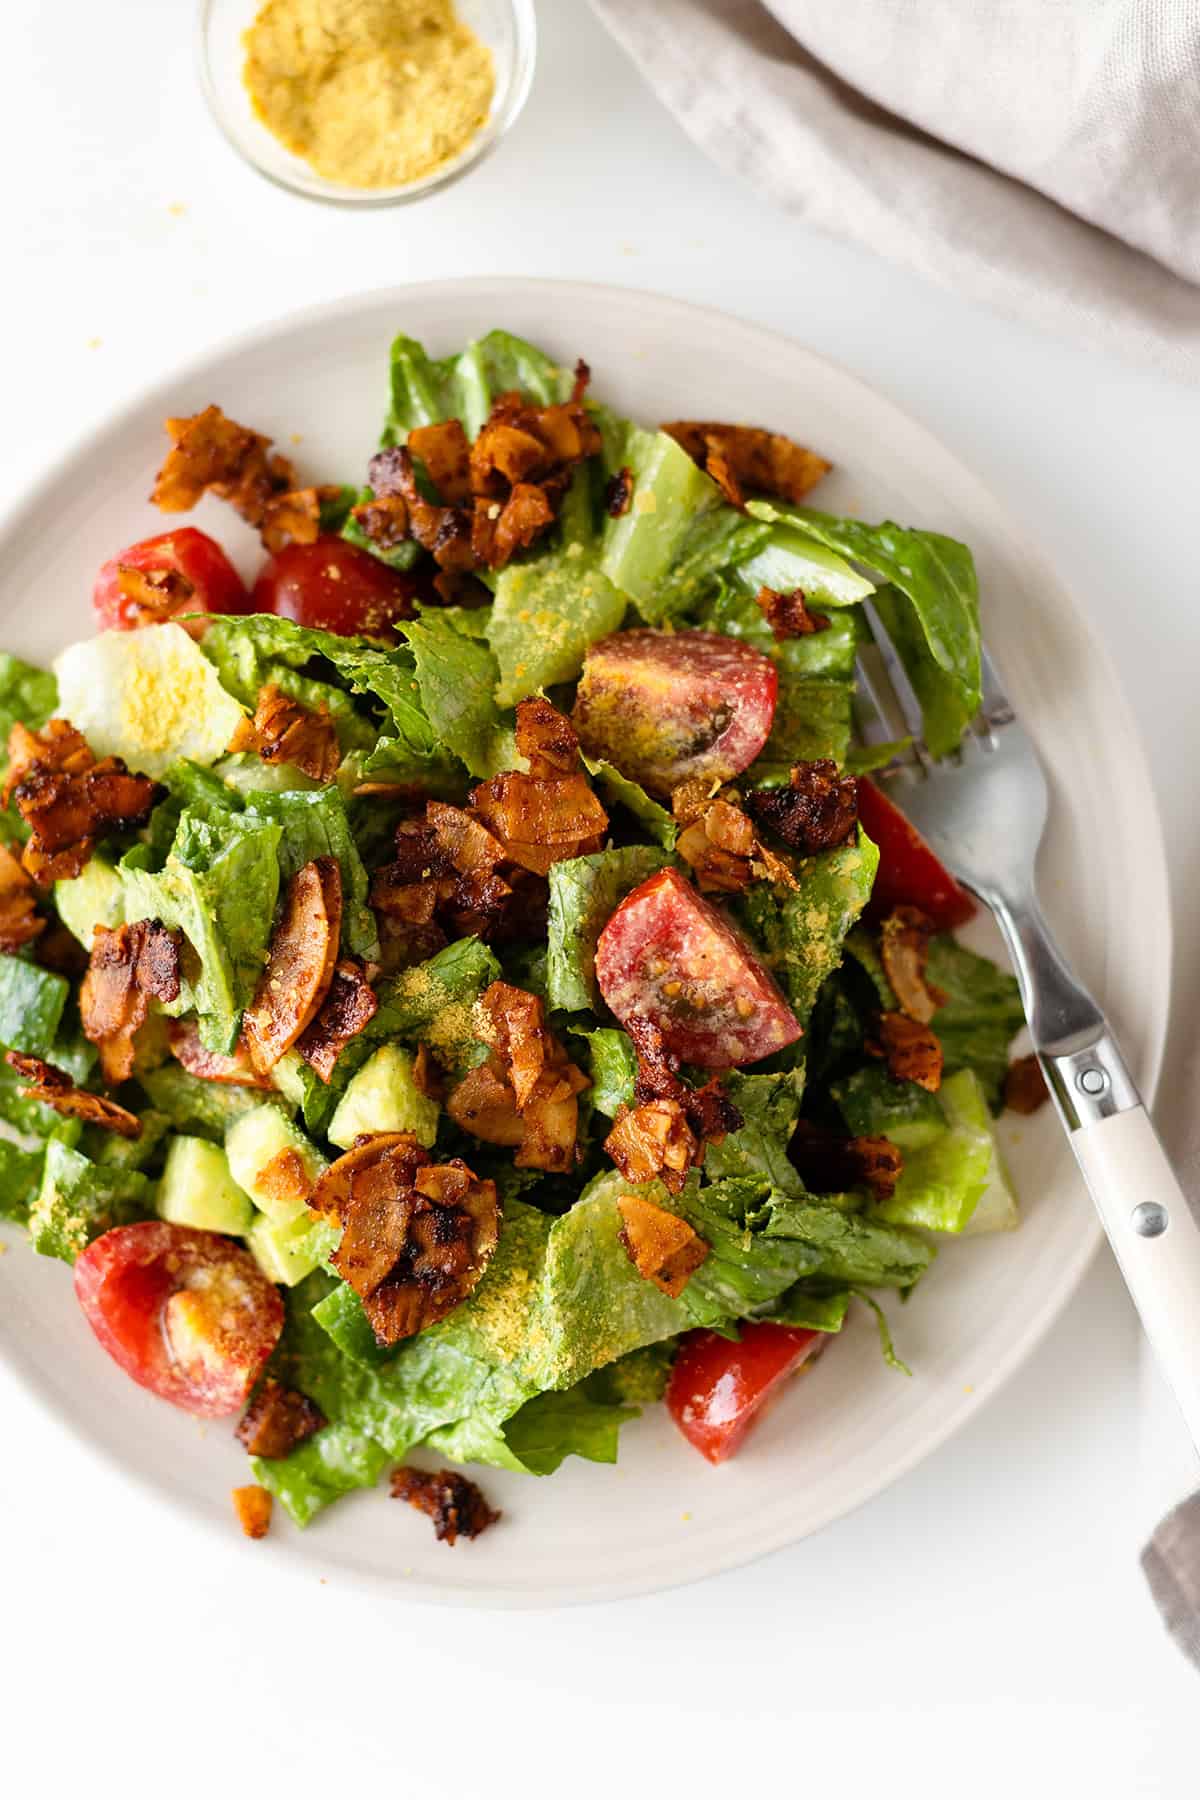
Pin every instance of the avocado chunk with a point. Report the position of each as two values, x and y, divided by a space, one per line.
96 897
253 1144
287 1250
384 1097
197 1189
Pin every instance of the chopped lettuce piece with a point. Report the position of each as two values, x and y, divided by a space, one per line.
219 887
669 493
20 1179
584 893
463 386
552 1426
612 1065
747 1269
620 790
27 695
981 1016
192 1104
457 675
31 1005
873 1105
149 696
854 1248
944 1181
802 930
94 897
80 1200
433 1003
547 614
770 1106
315 824
788 559
811 1308
931 609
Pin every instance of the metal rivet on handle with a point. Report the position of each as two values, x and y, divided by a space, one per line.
1149 1219
1094 1081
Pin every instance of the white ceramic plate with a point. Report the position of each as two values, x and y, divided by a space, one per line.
850 1426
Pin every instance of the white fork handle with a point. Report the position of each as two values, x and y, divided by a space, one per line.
1155 1238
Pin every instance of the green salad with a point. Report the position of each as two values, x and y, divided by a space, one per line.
465 989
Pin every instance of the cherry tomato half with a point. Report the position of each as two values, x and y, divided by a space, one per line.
667 955
909 872
217 586
187 1314
717 1388
334 586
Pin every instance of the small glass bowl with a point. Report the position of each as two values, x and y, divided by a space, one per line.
507 27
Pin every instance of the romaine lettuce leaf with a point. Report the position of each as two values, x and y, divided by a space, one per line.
31 1006
584 893
873 1105
27 694
463 386
547 614
802 930
747 1269
931 610
944 1180
79 1200
855 1248
981 1016
433 1002
550 1427
218 886
70 1052
457 675
314 823
620 790
191 1104
812 1306
670 494
20 1179
612 1065
770 1106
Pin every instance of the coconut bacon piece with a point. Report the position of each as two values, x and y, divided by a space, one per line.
212 452
284 731
55 1088
910 1050
904 948
69 800
751 458
20 921
128 968
818 810
663 1248
347 1009
300 963
455 1504
276 1420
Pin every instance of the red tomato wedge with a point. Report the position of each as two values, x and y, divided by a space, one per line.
718 1388
668 956
909 872
334 586
217 586
187 1314
667 706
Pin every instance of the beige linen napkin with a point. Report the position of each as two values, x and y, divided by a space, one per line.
1042 156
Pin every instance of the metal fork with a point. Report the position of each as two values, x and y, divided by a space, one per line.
983 809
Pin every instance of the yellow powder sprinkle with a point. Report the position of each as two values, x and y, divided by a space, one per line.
371 93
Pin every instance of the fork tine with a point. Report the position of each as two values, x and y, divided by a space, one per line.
997 708
902 688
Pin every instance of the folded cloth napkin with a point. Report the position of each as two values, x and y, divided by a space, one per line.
1040 155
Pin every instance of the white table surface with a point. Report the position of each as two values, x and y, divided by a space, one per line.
980 1628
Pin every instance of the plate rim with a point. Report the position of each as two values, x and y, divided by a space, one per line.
297 1548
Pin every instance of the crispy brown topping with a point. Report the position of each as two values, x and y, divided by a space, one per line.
427 1077
253 1508
829 1164
55 1088
1025 1086
495 496
300 963
541 820
283 731
546 738
904 947
183 1035
128 968
455 1504
285 1178
210 451
763 462
525 1096
446 873
719 842
156 596
20 921
787 614
347 1009
416 1236
910 1050
663 1249
277 1419
294 517
618 493
818 810
69 800
719 465
445 450
666 1131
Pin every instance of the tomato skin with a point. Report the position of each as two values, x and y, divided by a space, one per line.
187 1314
672 706
718 1388
664 936
334 586
191 553
909 872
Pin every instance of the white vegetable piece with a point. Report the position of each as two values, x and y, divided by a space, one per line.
149 696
